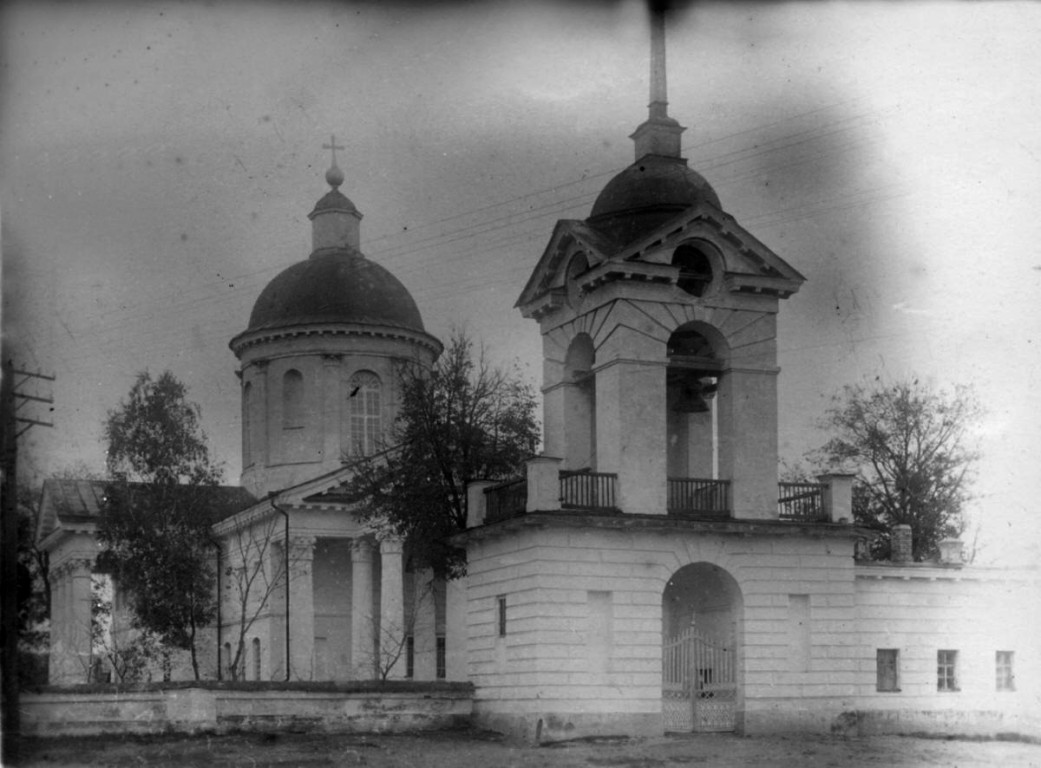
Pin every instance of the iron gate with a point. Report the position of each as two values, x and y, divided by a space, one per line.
699 684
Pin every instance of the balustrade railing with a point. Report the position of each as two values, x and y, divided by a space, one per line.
587 490
506 500
801 502
696 496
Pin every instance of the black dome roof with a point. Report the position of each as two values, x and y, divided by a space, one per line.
646 194
335 286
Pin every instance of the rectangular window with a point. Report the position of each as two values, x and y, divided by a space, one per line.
886 669
410 657
442 670
502 615
1006 678
947 670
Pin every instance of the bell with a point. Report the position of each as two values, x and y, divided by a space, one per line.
692 398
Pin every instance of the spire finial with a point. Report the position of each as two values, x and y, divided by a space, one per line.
659 99
334 176
659 134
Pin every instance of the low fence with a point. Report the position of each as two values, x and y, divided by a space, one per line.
506 500
801 502
221 707
587 490
694 496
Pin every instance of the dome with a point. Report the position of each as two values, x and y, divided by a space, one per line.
335 286
646 194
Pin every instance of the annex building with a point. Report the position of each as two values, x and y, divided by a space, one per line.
648 573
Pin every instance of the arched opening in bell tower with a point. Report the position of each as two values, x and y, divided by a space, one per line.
695 365
580 404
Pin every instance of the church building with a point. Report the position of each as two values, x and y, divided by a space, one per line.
649 573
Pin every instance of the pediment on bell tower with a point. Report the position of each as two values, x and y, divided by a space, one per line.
547 287
745 263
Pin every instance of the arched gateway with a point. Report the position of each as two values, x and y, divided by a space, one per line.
701 659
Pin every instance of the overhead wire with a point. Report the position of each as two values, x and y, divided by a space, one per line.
208 295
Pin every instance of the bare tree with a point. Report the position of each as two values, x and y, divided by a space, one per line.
255 572
393 637
912 449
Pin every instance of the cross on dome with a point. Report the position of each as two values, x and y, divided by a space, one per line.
334 176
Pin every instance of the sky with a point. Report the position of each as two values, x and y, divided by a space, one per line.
158 161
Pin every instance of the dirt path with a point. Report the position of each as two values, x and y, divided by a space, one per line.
463 750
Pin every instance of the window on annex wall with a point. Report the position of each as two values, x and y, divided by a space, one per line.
365 409
1006 678
887 669
292 400
947 670
256 658
501 602
410 657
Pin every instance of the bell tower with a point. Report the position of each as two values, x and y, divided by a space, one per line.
658 319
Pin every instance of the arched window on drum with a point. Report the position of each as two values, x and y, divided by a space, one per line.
292 400
366 417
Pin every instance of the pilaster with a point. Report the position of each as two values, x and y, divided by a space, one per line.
631 430
330 416
748 441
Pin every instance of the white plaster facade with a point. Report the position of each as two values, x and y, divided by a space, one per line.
656 511
307 591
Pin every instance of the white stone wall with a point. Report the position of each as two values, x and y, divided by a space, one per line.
184 709
553 664
919 610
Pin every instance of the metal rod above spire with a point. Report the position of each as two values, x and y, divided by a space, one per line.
658 135
659 90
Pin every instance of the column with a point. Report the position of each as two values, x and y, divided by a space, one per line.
363 620
424 627
456 630
392 631
301 608
70 635
56 668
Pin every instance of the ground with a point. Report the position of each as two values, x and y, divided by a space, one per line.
464 749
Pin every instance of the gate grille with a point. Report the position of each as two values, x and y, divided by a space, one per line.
699 684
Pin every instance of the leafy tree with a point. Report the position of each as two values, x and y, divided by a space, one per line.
909 446
160 502
128 654
463 420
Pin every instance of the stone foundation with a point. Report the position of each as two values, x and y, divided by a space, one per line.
550 726
221 708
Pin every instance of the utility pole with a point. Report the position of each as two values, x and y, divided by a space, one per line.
12 426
